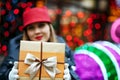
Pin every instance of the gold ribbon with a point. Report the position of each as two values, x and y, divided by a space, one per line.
34 62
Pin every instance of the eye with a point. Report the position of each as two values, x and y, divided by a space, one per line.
30 27
41 25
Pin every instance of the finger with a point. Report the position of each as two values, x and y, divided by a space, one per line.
66 77
15 65
16 77
15 71
66 65
66 71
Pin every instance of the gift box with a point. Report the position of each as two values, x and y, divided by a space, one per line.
41 60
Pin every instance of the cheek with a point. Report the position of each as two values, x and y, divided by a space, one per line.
30 34
48 33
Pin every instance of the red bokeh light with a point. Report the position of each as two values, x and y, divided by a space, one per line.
72 23
80 42
70 43
5 25
3 12
75 39
16 11
89 20
20 28
23 5
4 48
8 6
58 11
80 15
68 37
68 13
87 32
6 33
97 26
29 4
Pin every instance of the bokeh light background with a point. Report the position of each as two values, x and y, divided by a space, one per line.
77 21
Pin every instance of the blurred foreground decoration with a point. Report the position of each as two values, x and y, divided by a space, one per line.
98 61
115 31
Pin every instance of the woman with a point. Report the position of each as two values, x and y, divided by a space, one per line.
37 27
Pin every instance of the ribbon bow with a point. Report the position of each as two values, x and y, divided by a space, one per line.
35 63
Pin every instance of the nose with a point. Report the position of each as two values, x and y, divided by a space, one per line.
37 30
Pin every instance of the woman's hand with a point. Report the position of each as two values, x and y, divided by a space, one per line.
67 75
13 75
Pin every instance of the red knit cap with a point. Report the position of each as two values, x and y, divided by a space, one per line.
36 15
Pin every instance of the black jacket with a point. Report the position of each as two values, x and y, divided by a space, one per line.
13 55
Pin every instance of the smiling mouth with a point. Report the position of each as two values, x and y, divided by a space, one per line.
38 37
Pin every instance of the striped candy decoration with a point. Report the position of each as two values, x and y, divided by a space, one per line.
97 61
113 48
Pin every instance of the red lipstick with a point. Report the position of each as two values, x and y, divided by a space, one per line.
38 37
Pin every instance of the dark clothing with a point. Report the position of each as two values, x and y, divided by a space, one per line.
13 55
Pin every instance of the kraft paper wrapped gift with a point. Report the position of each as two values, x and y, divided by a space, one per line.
41 60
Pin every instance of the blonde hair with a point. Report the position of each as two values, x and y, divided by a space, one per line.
53 37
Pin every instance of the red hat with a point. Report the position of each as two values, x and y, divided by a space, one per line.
38 14
115 31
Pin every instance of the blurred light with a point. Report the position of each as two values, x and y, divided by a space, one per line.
20 28
5 25
40 3
112 18
3 12
58 11
8 6
75 39
80 42
90 4
72 23
16 11
87 32
4 48
90 38
65 30
80 14
97 26
52 15
6 33
70 43
93 16
29 4
103 5
68 13
89 20
77 30
65 20
23 5
68 37
90 26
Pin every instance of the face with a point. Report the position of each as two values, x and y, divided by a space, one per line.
38 32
